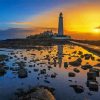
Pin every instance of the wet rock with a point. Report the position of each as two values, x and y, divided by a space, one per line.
43 71
37 94
22 73
77 88
36 70
53 75
86 66
93 85
25 58
65 65
3 57
2 71
80 53
97 65
91 76
46 81
21 64
87 56
71 74
76 70
76 62
96 71
30 66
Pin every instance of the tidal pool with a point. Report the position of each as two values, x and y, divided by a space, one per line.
52 59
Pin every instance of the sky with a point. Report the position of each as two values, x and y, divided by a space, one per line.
81 17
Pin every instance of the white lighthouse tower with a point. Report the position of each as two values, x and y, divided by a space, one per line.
60 25
60 36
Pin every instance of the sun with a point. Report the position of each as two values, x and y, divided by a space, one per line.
96 31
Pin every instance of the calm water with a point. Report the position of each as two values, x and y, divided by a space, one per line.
41 58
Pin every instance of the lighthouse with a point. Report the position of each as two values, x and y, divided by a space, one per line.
60 25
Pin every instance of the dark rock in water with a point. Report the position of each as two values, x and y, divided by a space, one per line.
22 73
21 64
92 58
2 71
43 71
53 75
71 74
36 70
30 66
97 65
93 85
3 57
87 56
38 93
96 71
74 52
98 59
65 65
87 66
91 76
76 63
76 70
80 53
77 88
46 81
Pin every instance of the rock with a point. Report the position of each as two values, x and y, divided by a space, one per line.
87 66
46 81
22 73
76 63
2 71
76 70
93 85
96 71
37 94
65 65
21 64
77 88
91 76
80 53
3 57
71 74
36 70
53 75
43 71
88 56
97 65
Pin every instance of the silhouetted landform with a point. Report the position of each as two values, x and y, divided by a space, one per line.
91 48
91 42
46 38
30 43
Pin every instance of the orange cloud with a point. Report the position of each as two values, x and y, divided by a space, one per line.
79 18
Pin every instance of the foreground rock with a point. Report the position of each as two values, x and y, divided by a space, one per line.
22 73
77 88
76 62
37 94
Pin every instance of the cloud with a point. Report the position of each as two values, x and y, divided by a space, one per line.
97 27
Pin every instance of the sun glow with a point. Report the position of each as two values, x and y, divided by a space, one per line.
96 31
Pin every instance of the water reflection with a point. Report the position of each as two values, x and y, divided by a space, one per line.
60 54
45 66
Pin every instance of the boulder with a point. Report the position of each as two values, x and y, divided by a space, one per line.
2 71
91 76
86 66
71 74
76 62
37 94
65 65
76 70
77 88
22 73
93 85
